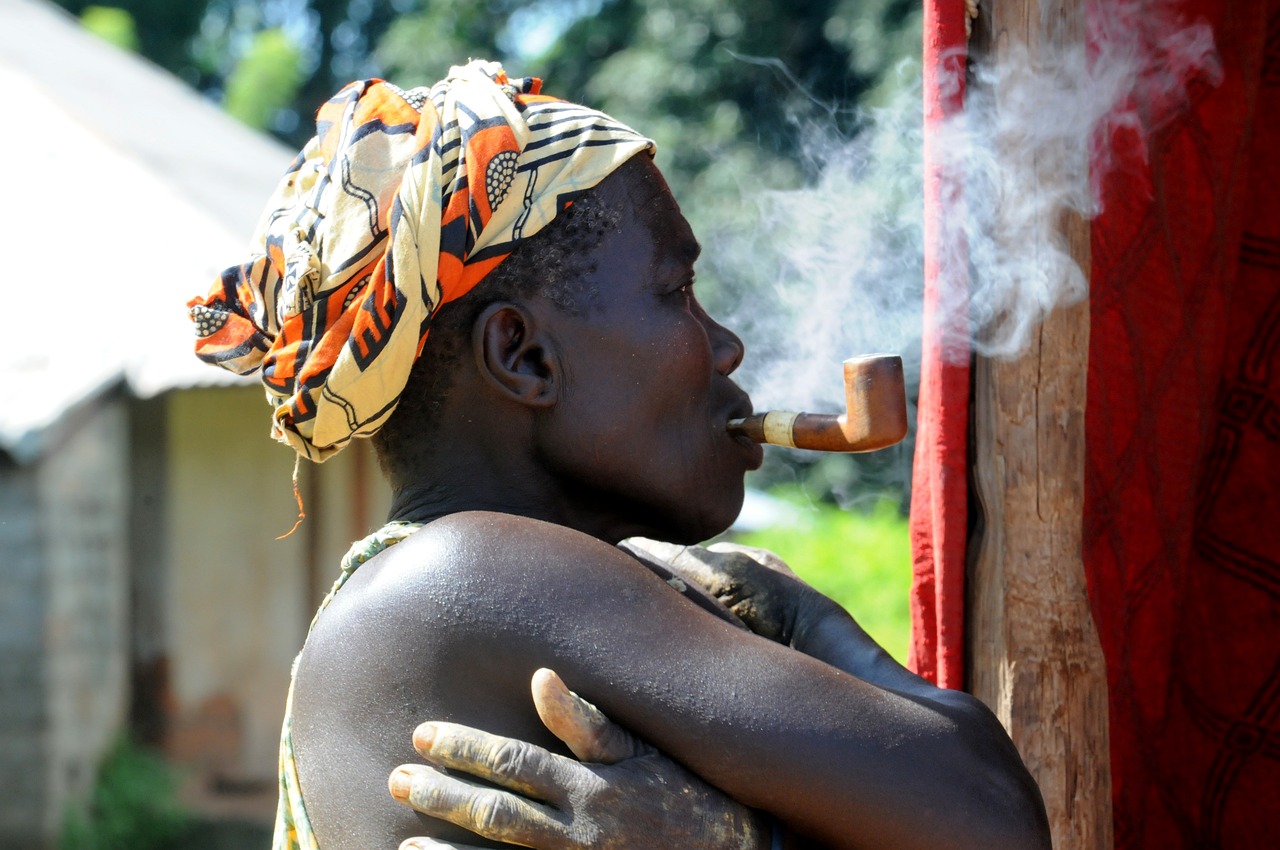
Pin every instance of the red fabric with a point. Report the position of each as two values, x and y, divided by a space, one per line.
939 490
1182 507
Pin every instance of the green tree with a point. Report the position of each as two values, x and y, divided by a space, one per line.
715 82
341 48
418 48
111 24
164 28
265 81
205 41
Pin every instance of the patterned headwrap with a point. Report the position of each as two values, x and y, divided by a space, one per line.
402 202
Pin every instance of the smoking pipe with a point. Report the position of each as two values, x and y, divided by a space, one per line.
875 416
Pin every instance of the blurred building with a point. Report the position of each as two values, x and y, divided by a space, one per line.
144 589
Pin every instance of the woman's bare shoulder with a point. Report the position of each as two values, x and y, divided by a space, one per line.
448 624
470 537
497 587
465 562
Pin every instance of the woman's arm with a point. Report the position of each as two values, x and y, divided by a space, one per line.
766 595
850 762
762 590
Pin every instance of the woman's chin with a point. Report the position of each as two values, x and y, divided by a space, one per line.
711 520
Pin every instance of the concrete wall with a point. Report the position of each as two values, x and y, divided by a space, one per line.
240 600
141 549
23 791
83 503
63 621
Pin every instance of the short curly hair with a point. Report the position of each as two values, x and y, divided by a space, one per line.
554 263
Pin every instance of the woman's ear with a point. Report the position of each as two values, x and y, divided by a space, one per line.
512 352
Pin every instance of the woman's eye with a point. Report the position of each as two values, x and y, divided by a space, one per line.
684 291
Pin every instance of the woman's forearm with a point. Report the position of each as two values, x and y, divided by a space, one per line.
828 633
977 752
832 636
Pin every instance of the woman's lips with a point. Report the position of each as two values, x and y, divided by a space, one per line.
741 410
755 451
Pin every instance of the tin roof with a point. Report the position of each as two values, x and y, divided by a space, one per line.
125 194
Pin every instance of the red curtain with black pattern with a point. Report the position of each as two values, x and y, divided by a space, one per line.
1182 505
1182 509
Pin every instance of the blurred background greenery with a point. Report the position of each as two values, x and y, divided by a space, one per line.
857 557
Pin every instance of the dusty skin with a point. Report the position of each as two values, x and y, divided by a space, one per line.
560 802
562 435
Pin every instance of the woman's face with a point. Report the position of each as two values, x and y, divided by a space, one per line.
638 435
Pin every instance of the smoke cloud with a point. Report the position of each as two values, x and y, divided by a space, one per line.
835 268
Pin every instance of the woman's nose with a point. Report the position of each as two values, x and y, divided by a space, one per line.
726 347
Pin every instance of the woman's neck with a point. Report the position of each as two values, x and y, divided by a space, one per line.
423 502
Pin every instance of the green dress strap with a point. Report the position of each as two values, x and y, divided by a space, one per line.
293 829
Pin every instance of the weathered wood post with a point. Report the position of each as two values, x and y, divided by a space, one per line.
1033 651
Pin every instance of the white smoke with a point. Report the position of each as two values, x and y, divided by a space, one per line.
836 268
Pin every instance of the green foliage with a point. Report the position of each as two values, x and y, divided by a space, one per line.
133 806
164 28
205 41
721 86
342 38
419 48
877 33
860 559
111 25
265 80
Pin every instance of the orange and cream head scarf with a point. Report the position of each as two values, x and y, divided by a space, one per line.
402 202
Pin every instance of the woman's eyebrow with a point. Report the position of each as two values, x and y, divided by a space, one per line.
679 257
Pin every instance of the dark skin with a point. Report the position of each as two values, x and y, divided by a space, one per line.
561 436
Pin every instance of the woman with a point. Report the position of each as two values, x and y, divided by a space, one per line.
571 393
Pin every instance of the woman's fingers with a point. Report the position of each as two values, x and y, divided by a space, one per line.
484 810
515 765
634 798
761 556
585 730
685 561
423 843
664 552
525 773
752 583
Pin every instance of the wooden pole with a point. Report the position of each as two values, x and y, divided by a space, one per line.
1033 651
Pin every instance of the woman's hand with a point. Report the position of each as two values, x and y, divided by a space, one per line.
772 601
755 584
623 794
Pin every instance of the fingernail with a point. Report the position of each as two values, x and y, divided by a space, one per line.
401 783
424 736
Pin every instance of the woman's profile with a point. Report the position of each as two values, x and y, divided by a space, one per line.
497 287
